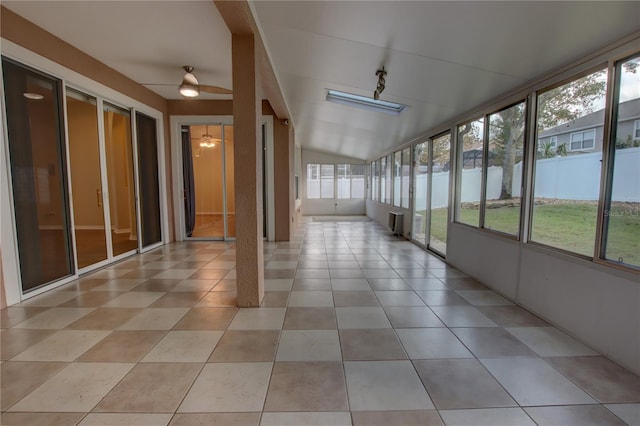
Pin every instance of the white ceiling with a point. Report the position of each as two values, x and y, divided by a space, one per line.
443 58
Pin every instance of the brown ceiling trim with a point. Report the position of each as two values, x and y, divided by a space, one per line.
239 19
17 29
208 107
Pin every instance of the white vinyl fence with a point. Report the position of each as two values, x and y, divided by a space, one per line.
355 185
574 177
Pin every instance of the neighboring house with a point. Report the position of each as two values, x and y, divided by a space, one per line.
585 134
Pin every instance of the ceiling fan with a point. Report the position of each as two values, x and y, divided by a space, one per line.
208 141
190 87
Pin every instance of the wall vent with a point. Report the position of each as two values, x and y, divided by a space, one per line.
395 222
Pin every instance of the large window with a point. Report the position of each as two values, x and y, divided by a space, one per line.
503 174
347 183
320 181
406 175
622 210
567 181
397 178
351 181
471 153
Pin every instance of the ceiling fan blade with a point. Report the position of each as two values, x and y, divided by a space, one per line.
214 89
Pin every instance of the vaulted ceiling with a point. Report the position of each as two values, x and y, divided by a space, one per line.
443 58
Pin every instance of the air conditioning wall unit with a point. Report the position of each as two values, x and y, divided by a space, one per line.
395 222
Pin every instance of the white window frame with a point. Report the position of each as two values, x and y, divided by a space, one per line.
636 130
582 133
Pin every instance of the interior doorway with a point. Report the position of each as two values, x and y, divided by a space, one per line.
208 181
204 172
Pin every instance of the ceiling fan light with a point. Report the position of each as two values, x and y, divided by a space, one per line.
189 90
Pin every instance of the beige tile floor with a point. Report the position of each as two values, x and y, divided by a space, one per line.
357 328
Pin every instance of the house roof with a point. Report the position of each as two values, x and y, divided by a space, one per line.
628 110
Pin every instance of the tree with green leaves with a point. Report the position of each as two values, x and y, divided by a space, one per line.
554 107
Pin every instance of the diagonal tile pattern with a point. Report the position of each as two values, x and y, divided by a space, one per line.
356 328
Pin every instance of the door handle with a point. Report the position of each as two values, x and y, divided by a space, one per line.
99 196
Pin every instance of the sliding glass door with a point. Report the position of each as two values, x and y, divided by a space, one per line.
79 192
38 175
148 180
120 181
92 240
431 192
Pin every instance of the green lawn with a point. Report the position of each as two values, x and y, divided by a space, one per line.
570 227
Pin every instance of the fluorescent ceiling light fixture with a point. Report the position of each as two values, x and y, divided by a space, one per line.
364 102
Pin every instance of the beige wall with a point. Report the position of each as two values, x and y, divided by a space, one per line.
3 298
283 178
28 35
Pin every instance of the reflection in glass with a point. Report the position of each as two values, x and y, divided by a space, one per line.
36 147
622 214
570 124
86 182
504 169
119 156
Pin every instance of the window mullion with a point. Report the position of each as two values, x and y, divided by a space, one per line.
608 157
485 161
